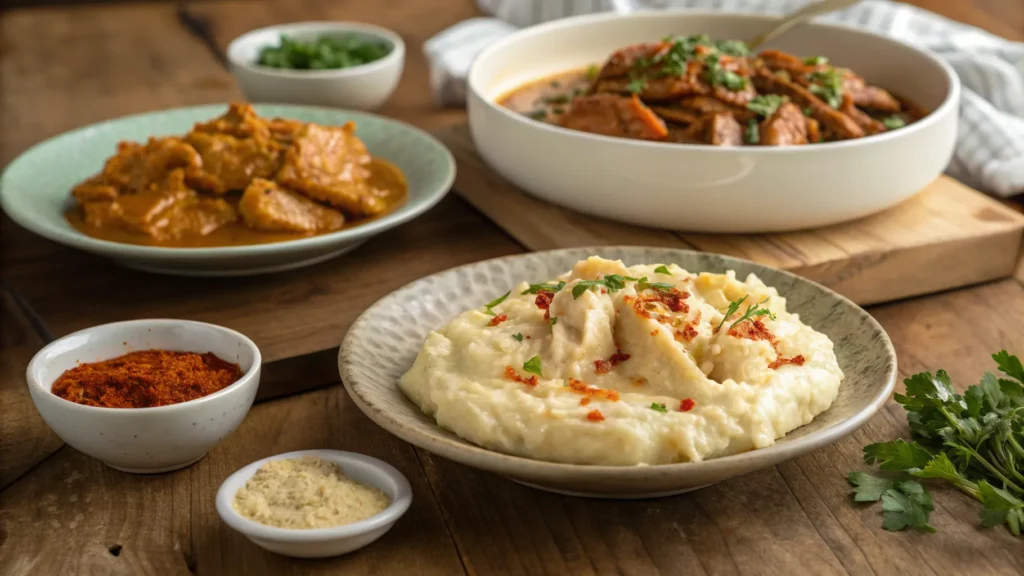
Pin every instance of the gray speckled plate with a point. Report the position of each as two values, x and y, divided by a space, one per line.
383 343
35 189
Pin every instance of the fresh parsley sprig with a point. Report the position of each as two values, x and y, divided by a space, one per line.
533 366
974 441
753 311
534 288
662 270
488 307
610 282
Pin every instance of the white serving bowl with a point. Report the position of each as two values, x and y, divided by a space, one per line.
364 87
321 542
145 440
701 187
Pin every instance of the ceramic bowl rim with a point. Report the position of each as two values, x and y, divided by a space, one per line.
949 104
386 517
75 239
748 461
392 58
36 365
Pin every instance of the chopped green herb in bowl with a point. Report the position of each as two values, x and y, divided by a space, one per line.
328 52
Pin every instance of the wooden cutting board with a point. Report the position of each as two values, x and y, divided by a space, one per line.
946 236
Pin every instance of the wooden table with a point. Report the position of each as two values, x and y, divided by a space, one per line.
64 513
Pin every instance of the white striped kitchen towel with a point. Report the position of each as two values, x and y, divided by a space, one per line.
990 146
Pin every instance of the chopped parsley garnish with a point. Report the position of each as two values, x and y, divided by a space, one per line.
636 85
809 112
973 441
495 302
766 104
719 76
325 53
732 47
611 282
534 288
662 270
752 135
827 85
815 60
557 99
593 71
551 323
533 366
518 337
752 312
658 407
538 114
643 284
893 122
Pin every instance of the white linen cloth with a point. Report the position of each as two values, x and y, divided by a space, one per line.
990 145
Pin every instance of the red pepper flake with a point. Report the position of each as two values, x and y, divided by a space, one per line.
581 387
639 381
585 400
688 333
543 301
595 416
756 330
797 360
606 366
498 319
654 332
511 374
686 404
672 299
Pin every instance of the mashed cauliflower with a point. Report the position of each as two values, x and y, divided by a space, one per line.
620 365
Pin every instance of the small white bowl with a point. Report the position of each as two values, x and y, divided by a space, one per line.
145 440
321 542
364 87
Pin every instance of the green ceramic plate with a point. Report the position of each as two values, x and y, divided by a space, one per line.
35 189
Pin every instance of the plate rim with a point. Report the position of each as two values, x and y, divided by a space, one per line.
121 250
500 462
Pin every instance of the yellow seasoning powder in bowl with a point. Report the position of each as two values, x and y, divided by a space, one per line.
306 493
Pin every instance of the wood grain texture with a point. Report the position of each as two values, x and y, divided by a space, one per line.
25 439
67 515
965 235
796 518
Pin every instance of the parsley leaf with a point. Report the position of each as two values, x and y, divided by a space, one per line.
662 270
815 60
752 135
868 488
766 104
533 366
897 455
827 85
733 307
644 284
907 505
752 312
893 122
518 337
593 71
551 323
538 114
611 282
658 407
718 76
732 47
1009 365
1000 507
534 288
495 302
636 85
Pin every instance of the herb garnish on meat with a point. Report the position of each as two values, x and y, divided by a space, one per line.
974 441
893 122
827 85
752 134
766 104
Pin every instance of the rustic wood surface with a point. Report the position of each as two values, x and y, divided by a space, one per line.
971 237
64 513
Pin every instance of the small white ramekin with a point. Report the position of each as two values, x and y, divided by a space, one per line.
145 440
321 542
364 87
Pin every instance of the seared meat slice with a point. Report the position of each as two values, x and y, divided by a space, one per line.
724 130
230 163
786 127
866 122
834 122
614 115
240 121
135 167
169 209
677 115
285 131
623 61
655 87
692 134
268 207
813 130
708 105
329 164
867 96
735 97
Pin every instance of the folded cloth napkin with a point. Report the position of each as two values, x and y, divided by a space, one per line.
990 146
